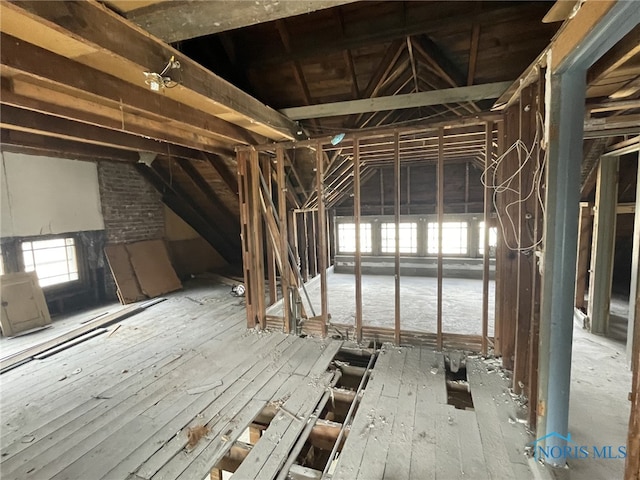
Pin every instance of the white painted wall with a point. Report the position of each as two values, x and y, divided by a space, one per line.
46 195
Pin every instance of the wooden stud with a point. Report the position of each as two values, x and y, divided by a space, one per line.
245 224
396 212
440 202
285 271
313 244
585 226
358 255
256 231
526 263
322 236
271 246
485 254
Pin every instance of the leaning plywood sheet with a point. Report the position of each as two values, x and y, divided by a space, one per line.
128 289
151 264
23 304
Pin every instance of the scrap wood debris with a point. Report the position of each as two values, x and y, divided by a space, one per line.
195 434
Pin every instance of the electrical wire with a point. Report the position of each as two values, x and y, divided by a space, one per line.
525 155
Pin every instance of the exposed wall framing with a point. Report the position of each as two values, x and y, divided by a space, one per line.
341 168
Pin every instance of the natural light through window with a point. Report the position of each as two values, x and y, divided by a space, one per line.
454 238
54 260
493 239
347 237
408 235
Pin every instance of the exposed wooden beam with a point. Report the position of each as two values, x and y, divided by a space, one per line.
438 97
176 21
121 49
230 179
14 118
14 140
224 215
20 57
190 214
623 51
54 103
389 29
473 53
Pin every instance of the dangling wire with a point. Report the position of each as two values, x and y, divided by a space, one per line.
525 155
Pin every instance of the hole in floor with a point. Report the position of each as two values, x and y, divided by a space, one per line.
314 448
458 389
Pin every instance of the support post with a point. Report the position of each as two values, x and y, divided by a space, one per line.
257 241
271 261
396 213
488 148
585 225
245 225
440 202
285 273
565 116
603 246
356 217
633 326
526 257
321 251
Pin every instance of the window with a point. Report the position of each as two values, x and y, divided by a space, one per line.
493 240
454 238
54 260
347 237
408 235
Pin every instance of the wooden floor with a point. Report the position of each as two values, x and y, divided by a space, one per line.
404 428
120 405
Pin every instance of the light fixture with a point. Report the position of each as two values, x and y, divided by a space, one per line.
337 139
158 81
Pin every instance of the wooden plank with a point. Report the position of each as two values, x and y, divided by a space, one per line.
585 226
123 274
151 264
487 393
353 451
122 49
358 253
174 23
322 237
527 183
603 246
396 214
440 216
112 90
9 362
286 270
398 463
397 102
170 459
272 243
268 456
61 451
488 149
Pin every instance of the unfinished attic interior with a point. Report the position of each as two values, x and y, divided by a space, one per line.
327 239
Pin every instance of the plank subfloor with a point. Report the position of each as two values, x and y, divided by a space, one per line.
121 405
405 429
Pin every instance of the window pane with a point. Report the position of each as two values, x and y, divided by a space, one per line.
347 237
493 240
408 236
454 238
53 260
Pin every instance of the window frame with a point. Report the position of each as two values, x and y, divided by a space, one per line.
363 225
78 253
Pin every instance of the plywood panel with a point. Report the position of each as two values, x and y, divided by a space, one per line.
128 288
150 262
23 304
